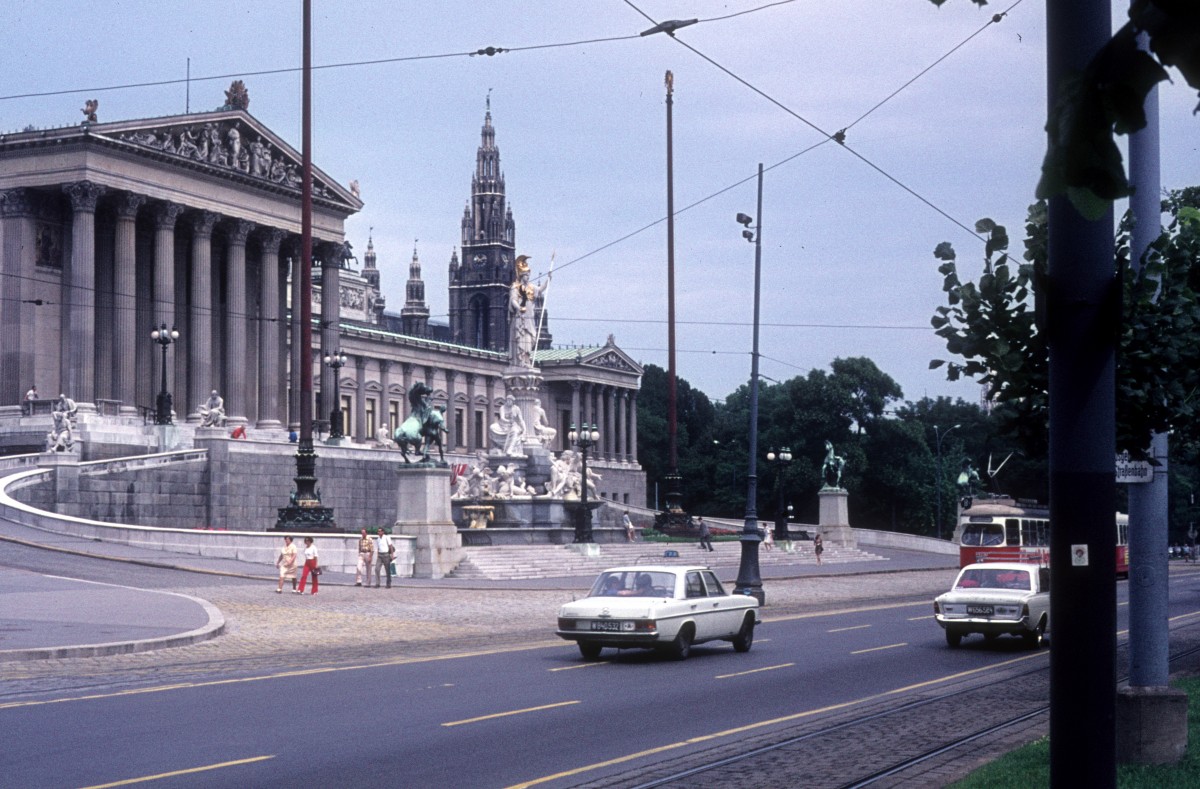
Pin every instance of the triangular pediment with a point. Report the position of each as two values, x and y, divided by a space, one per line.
610 357
228 143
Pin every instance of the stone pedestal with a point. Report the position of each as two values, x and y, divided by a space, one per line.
1152 725
834 518
423 511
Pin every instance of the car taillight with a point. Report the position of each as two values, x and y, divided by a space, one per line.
566 624
937 609
1025 611
645 626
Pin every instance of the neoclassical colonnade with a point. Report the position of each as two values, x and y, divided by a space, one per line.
92 271
613 409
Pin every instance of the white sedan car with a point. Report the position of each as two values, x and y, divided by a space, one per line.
994 598
658 607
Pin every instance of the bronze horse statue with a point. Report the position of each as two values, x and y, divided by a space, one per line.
424 426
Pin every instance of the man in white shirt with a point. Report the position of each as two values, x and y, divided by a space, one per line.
385 551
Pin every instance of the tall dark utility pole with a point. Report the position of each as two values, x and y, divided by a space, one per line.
1081 311
674 517
305 512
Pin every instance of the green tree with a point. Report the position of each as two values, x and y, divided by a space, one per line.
997 328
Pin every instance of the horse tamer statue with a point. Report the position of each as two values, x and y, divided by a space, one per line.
424 426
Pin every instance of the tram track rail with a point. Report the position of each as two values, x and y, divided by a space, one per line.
918 741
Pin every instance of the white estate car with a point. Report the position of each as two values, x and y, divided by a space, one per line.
994 598
658 607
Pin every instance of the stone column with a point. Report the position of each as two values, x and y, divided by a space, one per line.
451 433
575 416
469 416
633 456
294 341
200 324
331 308
163 308
490 389
406 369
384 410
78 359
360 400
610 420
601 421
235 322
622 426
268 333
585 406
19 318
124 336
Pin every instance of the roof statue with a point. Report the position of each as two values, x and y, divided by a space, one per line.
237 97
89 110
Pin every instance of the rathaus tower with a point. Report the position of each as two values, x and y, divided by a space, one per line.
479 282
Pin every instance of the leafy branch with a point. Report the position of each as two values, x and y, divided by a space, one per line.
1082 160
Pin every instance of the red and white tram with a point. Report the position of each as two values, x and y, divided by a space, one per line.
1004 530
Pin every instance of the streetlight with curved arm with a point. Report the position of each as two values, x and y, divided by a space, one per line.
164 406
336 361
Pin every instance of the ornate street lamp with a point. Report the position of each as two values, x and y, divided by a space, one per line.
585 438
780 460
163 406
939 436
336 361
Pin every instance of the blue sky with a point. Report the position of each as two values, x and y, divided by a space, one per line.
847 252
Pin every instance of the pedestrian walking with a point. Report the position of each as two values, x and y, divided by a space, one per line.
630 532
366 557
705 535
768 540
286 564
818 547
312 565
385 551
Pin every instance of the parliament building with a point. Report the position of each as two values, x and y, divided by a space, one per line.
110 230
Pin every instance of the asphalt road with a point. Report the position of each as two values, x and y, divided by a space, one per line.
518 716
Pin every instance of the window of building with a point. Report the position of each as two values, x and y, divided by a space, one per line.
370 427
393 415
458 427
480 440
348 414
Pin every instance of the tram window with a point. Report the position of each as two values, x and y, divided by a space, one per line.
1012 531
1034 533
983 534
1122 534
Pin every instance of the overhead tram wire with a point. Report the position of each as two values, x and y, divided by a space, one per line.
838 137
489 51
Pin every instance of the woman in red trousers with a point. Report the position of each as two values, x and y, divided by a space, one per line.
311 565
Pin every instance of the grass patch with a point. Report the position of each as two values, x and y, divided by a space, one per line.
1030 766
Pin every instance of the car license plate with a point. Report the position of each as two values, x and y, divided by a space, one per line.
606 625
980 610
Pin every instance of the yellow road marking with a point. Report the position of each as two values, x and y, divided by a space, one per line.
581 665
772 722
511 712
190 770
844 629
876 649
839 611
754 671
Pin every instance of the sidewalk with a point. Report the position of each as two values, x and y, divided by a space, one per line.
43 616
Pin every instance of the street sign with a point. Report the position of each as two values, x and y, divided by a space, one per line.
1131 471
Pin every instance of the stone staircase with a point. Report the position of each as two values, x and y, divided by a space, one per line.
518 562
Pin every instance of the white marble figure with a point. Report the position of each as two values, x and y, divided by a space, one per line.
383 438
508 430
61 437
477 481
212 412
560 474
541 425
504 485
520 487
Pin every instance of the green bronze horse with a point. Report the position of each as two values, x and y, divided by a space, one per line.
423 428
